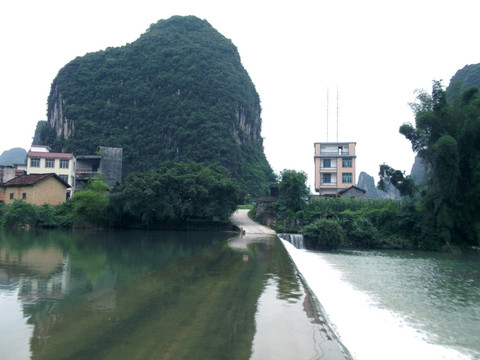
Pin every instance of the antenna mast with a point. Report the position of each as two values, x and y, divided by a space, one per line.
327 112
337 113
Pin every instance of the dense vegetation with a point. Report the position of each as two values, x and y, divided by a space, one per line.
186 195
177 94
446 136
333 222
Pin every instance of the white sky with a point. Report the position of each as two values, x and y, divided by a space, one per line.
376 51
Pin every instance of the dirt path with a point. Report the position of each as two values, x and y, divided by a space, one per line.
241 219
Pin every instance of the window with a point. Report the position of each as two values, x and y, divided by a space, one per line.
63 164
64 178
327 163
327 178
11 196
347 178
24 195
347 163
49 163
35 162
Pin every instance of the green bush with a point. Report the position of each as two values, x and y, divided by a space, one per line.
46 216
88 207
324 234
64 214
19 214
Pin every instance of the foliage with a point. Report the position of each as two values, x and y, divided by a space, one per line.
398 179
446 136
324 234
19 214
186 191
293 189
64 214
293 195
177 94
381 223
89 205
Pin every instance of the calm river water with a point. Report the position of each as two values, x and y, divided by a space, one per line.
156 295
396 304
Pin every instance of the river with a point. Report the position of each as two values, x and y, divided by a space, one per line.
397 304
156 295
218 295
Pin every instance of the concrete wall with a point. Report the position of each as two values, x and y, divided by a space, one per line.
6 173
111 164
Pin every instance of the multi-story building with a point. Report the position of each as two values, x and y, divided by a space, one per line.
334 167
41 161
77 170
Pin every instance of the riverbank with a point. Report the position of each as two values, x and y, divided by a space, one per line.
326 342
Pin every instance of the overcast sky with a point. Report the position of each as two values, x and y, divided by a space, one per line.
375 52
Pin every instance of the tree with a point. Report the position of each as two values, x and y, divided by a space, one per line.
324 234
446 136
184 191
293 189
89 205
398 179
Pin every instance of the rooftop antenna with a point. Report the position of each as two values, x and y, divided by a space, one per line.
327 113
337 113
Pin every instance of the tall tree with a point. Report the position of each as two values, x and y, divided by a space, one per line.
447 137
293 189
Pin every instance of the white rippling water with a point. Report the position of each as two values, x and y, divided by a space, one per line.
368 327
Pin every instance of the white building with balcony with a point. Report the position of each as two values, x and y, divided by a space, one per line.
41 161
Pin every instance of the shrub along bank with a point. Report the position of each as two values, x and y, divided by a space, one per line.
329 223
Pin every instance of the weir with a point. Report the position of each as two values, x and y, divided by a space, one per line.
294 239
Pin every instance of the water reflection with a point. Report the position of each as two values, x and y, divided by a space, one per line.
154 295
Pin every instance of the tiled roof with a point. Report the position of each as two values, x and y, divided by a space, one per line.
49 155
31 179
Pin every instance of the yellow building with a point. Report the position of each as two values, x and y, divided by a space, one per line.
334 167
36 189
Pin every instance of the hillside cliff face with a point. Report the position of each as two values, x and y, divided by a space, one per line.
464 78
178 93
367 183
13 156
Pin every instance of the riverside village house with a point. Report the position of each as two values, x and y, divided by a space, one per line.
51 178
36 189
335 169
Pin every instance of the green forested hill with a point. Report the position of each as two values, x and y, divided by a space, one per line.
464 78
178 93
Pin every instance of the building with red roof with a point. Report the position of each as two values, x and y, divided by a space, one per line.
37 189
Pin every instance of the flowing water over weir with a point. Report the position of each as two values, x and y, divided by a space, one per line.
396 304
294 239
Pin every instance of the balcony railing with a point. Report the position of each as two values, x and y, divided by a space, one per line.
334 153
331 183
84 174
